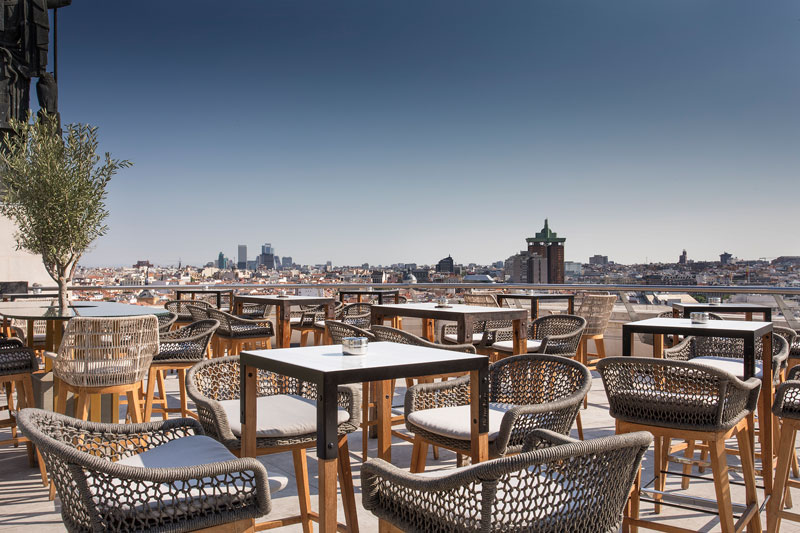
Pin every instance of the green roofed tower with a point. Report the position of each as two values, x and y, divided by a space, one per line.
547 244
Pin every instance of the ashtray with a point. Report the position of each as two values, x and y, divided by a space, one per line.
443 306
354 346
714 301
699 318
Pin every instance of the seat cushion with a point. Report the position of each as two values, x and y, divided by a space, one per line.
280 416
453 339
294 320
454 422
194 450
320 324
248 330
508 346
733 365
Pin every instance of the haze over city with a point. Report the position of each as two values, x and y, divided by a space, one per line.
389 132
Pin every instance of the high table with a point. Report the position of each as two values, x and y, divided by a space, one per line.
749 332
194 291
13 296
679 309
328 368
464 315
534 299
395 293
283 305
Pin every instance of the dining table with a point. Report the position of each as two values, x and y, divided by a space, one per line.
686 309
283 305
536 297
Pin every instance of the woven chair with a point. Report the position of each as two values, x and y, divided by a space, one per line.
554 484
235 333
105 356
787 409
793 339
198 312
389 334
159 476
689 401
312 320
287 421
178 350
165 322
17 365
484 300
255 311
181 308
319 325
338 330
484 333
19 328
596 309
526 392
553 334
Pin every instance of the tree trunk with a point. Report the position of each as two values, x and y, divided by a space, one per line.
63 299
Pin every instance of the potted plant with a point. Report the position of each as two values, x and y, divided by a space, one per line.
54 190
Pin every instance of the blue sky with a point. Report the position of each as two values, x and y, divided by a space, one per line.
404 131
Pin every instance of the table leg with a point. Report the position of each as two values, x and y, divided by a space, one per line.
571 306
327 454
30 334
427 329
327 495
329 315
284 327
248 384
748 316
479 414
676 313
520 336
534 309
627 342
384 401
658 346
767 424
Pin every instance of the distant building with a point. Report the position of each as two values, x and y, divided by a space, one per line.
421 275
725 258
573 268
537 269
598 260
446 265
143 264
286 262
242 257
221 262
378 276
547 244
267 249
683 258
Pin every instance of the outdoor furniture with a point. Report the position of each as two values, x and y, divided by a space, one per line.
165 322
159 476
689 401
17 364
211 296
284 306
325 366
382 294
787 409
312 320
466 318
554 484
339 329
255 311
526 392
104 356
681 310
181 308
481 299
536 298
286 421
235 333
596 309
553 334
178 350
483 334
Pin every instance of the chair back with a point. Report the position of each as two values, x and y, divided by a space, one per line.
103 352
387 334
356 309
189 343
255 310
198 312
339 330
482 299
563 333
596 309
165 321
181 308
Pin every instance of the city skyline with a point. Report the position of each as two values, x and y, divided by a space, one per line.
638 129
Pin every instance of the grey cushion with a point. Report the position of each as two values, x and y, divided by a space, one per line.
453 339
294 320
508 346
281 415
454 422
733 365
194 450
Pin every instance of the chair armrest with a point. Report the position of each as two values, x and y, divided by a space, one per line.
349 397
683 351
557 416
448 393
544 438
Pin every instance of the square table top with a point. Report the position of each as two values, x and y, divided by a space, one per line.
454 311
201 290
712 328
535 296
283 300
743 307
29 310
384 360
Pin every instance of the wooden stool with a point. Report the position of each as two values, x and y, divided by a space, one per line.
787 409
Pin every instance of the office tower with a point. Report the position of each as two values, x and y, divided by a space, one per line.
242 263
267 249
446 265
547 244
598 260
683 258
286 262
725 258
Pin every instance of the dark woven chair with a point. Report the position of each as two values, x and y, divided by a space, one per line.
181 308
165 322
287 420
255 311
553 334
235 333
17 365
483 333
178 350
198 312
787 409
526 392
157 476
554 484
689 401
338 330
312 320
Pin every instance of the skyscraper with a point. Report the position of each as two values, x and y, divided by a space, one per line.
446 265
242 262
547 244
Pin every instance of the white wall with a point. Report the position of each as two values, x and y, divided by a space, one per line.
18 265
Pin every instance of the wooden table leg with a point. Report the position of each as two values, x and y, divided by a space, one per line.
479 414
658 346
249 388
534 309
327 495
330 314
748 316
284 327
520 337
384 401
427 329
571 306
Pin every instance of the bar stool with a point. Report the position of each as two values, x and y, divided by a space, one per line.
787 409
181 308
596 309
688 401
178 350
235 333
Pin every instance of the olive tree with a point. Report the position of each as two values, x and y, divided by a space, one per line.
54 189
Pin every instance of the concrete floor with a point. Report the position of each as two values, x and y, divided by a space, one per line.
24 505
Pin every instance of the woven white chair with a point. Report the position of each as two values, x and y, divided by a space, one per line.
105 356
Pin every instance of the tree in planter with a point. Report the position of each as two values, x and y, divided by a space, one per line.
54 189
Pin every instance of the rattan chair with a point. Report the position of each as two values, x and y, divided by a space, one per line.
181 308
553 334
481 299
787 409
17 365
526 392
338 330
690 401
484 334
165 322
287 421
198 312
105 356
158 476
596 309
255 311
312 320
554 484
178 350
235 333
